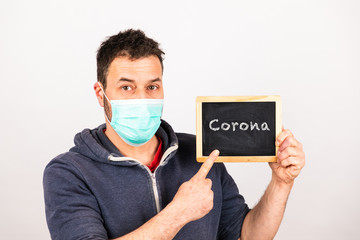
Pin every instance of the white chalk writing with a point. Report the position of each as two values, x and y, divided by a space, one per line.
243 126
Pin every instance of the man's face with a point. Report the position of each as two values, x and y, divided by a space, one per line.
141 78
133 79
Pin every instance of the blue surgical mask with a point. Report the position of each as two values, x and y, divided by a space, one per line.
135 120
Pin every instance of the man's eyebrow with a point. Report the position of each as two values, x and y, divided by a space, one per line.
126 80
156 80
130 80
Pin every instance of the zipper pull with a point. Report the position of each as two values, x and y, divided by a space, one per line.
153 178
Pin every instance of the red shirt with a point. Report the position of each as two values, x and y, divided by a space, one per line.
153 165
156 161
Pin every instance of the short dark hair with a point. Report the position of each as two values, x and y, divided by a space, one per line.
129 43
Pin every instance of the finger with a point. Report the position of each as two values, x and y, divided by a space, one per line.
208 182
206 166
295 162
300 145
300 155
285 133
292 168
289 141
289 152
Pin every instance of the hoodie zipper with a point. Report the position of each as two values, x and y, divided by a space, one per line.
156 192
152 175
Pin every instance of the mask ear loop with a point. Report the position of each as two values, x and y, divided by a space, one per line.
106 99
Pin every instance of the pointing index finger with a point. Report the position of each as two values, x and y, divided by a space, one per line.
206 166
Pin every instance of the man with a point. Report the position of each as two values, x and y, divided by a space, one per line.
135 178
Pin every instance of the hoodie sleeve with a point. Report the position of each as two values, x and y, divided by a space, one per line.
234 209
72 211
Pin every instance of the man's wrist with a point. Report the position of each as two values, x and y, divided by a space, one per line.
278 185
280 182
172 215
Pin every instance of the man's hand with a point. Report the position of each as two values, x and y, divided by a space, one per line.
194 199
290 158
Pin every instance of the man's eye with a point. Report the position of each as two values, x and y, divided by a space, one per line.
153 87
126 88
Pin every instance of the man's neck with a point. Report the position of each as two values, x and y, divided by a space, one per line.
144 153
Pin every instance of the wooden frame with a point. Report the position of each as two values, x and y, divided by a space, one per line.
199 135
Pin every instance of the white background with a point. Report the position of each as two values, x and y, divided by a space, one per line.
306 51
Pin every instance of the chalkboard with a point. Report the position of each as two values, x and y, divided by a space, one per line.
243 129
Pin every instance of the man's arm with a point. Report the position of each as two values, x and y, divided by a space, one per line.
263 221
193 200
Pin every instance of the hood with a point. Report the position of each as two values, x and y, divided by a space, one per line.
88 143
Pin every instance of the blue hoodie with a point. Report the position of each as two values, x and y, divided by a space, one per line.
93 192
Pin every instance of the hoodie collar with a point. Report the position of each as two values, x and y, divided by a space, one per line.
95 145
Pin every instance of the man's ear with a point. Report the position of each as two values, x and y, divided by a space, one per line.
99 94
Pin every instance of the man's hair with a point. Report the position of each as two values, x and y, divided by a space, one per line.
131 43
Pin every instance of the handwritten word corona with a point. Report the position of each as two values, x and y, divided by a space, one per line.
243 126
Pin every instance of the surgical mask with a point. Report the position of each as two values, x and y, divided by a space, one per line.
135 120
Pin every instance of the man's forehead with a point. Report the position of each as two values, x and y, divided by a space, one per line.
126 62
126 69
